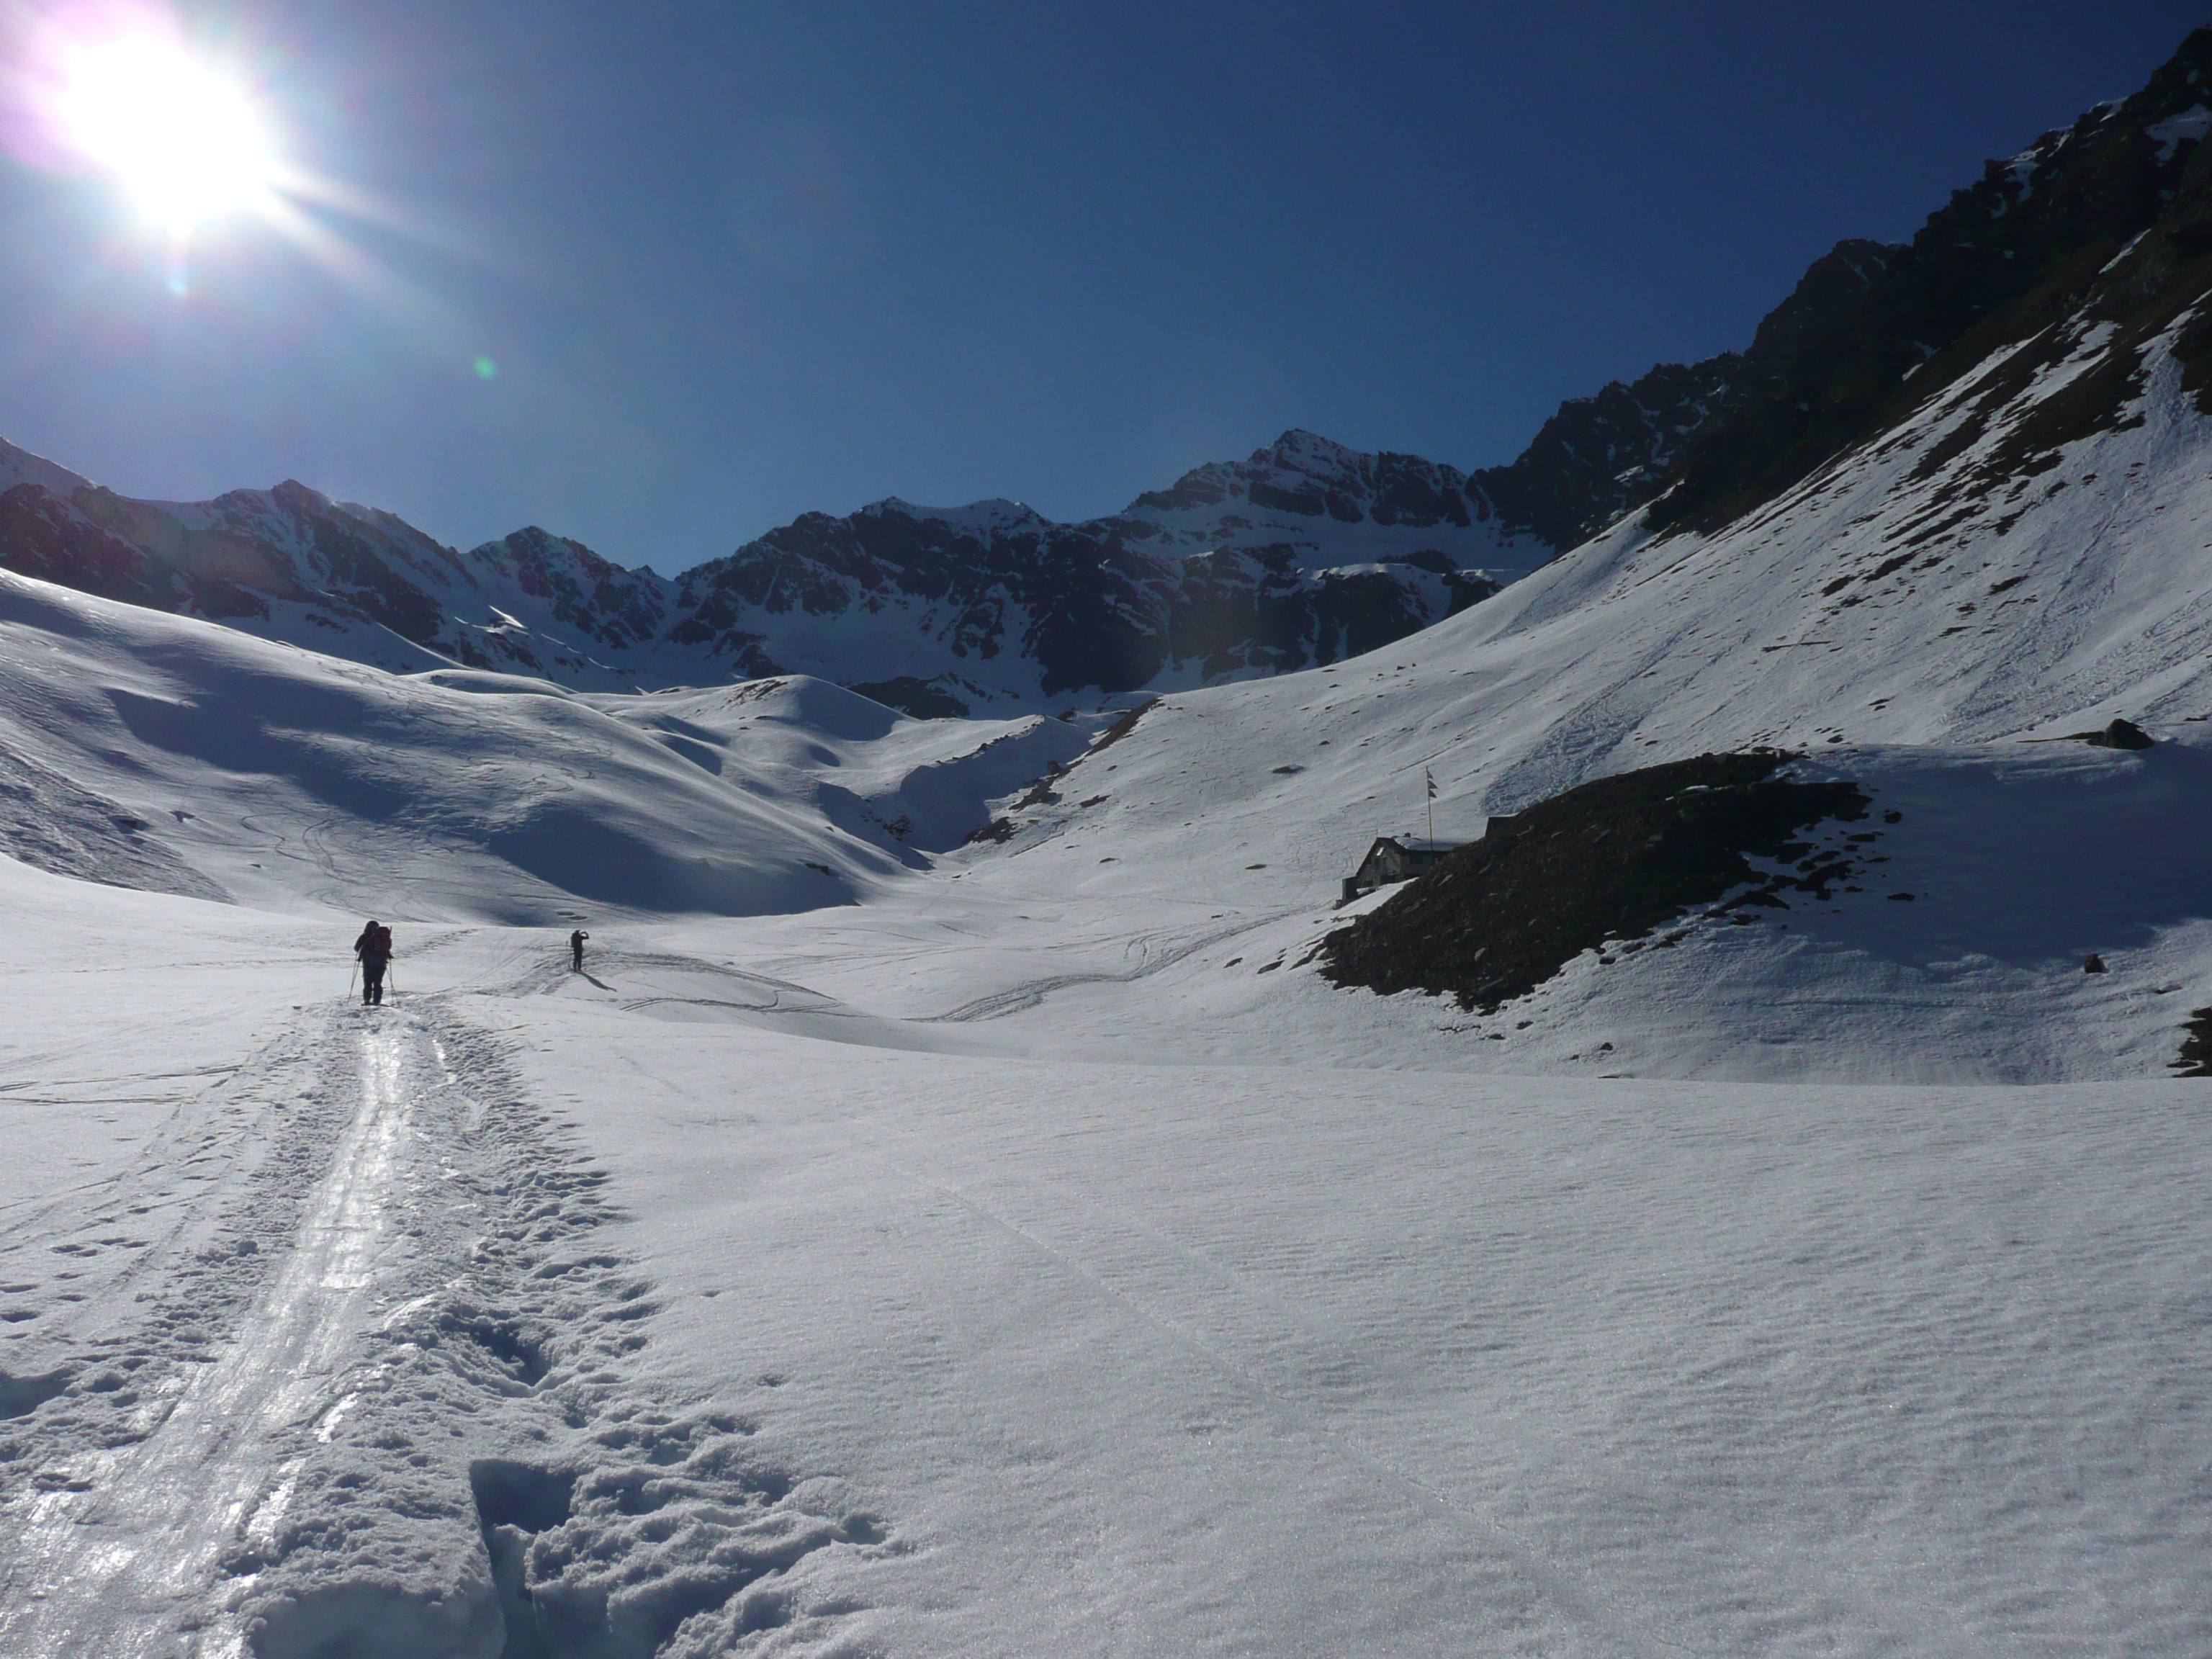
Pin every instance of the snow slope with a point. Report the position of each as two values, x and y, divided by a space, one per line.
163 752
622 1314
898 1243
1912 626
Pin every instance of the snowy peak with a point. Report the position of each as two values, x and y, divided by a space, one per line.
612 608
21 466
983 518
1309 477
2100 222
946 611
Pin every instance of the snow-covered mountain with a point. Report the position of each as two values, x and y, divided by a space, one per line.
1305 553
1302 554
1984 534
899 1240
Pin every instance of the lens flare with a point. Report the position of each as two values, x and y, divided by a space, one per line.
199 144
114 87
186 144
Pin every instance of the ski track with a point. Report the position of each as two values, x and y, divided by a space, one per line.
1154 957
116 1568
338 1471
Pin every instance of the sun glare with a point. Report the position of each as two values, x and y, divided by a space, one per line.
188 139
185 143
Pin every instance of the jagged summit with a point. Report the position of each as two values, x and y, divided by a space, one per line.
1308 553
1312 476
2106 223
1599 457
977 518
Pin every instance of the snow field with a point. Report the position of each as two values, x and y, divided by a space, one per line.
1193 1358
337 1352
895 1245
159 752
889 1351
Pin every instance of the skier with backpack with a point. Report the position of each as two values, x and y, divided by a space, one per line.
576 951
373 947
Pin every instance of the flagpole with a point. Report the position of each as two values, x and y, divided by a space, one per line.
1430 779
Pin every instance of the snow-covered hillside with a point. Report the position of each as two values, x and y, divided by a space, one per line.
1910 623
166 753
951 1212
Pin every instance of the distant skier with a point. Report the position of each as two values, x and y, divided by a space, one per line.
576 951
373 947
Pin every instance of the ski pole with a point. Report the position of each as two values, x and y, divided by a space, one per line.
350 978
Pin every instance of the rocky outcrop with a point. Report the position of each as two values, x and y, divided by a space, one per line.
1602 456
2107 224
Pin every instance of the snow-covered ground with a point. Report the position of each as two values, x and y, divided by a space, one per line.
893 1244
726 1315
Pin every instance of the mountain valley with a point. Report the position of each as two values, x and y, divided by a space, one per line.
979 1185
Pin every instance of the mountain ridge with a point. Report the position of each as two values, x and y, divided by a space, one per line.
1303 553
2109 218
988 604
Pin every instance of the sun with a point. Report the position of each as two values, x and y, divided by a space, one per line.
185 143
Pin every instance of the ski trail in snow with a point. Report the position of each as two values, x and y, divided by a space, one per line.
1153 958
123 1569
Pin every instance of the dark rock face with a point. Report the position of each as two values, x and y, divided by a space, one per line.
1314 478
1605 864
2195 1059
2106 222
602 601
2120 734
1600 456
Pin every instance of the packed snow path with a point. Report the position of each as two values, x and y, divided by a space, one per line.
407 1420
119 1567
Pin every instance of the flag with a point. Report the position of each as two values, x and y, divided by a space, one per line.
1431 777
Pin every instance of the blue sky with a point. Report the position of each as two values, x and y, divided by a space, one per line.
732 262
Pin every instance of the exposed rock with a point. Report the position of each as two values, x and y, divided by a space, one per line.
2195 1059
2120 734
1600 456
2104 224
1611 859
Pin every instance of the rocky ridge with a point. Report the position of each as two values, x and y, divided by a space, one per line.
2096 239
1602 456
1306 552
1302 554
